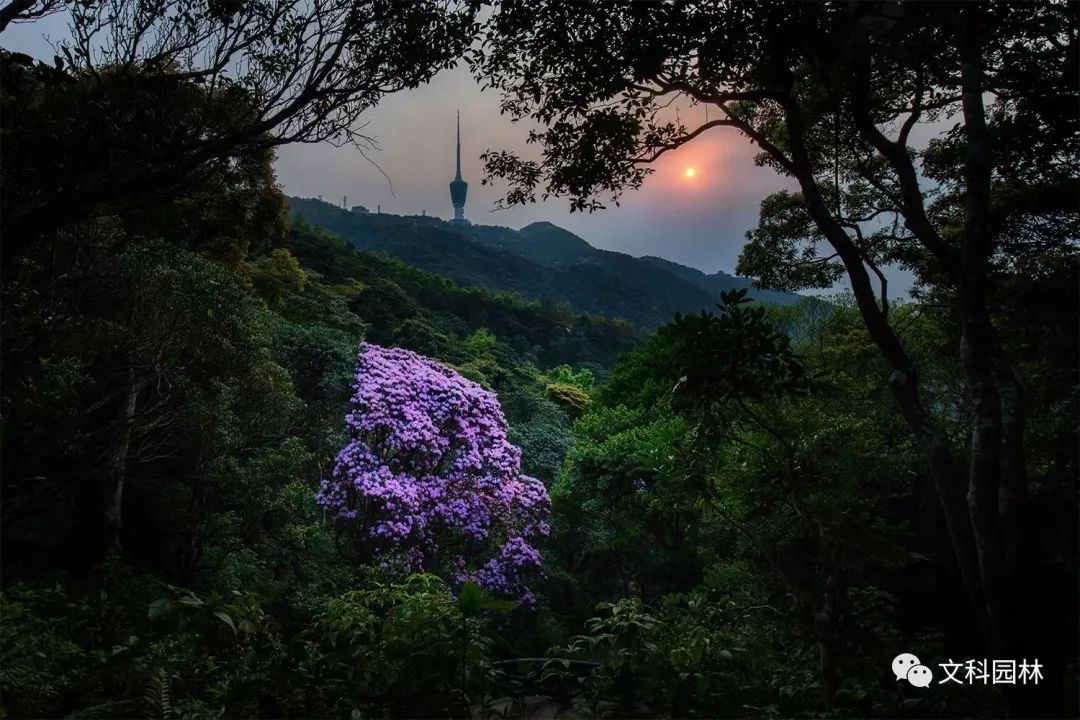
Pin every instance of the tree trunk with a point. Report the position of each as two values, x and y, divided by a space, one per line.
903 381
828 622
111 495
987 527
983 468
947 476
979 348
997 479
944 469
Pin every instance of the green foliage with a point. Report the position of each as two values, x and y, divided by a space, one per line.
583 379
611 518
279 275
478 343
37 655
131 649
116 141
702 654
394 292
473 599
221 654
715 350
570 398
757 491
623 638
541 428
782 251
423 337
403 648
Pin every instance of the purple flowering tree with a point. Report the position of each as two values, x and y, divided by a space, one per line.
428 479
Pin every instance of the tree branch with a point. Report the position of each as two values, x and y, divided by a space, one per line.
682 140
17 10
896 154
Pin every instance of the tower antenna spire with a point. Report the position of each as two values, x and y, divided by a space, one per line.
458 187
458 176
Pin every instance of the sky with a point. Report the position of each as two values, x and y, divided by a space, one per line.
700 221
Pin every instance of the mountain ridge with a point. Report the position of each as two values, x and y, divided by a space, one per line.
540 261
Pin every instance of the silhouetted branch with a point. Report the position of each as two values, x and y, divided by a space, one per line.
22 10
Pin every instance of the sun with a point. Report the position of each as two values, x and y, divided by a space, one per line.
690 172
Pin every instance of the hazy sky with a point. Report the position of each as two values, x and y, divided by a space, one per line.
700 222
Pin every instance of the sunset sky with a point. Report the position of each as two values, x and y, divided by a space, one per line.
699 221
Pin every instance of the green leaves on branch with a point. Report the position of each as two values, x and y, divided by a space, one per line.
736 355
473 599
783 251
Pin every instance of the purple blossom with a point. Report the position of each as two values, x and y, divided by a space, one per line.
429 477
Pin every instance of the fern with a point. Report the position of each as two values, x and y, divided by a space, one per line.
157 698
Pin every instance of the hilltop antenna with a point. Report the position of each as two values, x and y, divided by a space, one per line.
459 189
458 175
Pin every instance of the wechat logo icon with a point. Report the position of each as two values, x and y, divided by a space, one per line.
906 666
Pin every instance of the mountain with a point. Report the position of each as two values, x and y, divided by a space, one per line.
541 261
721 281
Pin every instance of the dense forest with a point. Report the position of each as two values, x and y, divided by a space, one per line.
251 470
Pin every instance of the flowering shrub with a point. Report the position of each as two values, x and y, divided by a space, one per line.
428 476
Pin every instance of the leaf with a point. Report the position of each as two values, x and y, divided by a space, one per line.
157 696
497 605
470 597
191 600
159 608
224 617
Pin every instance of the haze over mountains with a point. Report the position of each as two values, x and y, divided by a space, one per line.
540 261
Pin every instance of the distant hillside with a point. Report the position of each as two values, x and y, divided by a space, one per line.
720 281
541 261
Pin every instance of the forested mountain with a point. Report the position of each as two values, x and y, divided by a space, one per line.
540 261
721 281
415 308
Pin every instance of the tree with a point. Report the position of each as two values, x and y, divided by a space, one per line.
429 478
813 86
711 445
149 351
625 502
279 275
